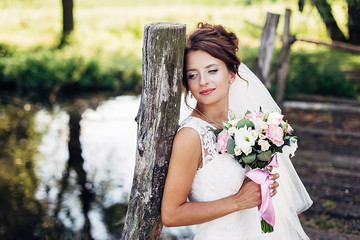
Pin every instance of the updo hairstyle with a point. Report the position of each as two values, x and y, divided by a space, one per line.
215 40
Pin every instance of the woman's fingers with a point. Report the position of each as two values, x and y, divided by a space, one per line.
273 192
274 176
273 188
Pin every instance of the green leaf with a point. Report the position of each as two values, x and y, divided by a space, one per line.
264 156
216 131
244 122
265 227
249 158
287 137
266 116
230 146
260 164
232 116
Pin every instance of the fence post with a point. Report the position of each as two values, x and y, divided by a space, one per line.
263 61
157 120
284 58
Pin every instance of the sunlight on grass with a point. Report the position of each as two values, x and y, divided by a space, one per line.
116 26
111 31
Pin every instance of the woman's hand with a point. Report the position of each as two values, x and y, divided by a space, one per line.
249 195
275 184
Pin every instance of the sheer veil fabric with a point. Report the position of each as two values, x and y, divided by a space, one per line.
249 93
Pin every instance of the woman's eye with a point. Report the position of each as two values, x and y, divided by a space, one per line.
192 76
213 71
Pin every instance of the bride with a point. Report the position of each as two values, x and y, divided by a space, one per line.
209 189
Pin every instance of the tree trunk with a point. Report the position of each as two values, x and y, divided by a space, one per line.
324 10
284 58
266 49
157 119
68 20
354 21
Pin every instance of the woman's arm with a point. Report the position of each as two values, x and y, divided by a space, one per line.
185 158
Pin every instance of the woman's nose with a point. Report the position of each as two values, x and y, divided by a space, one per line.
203 80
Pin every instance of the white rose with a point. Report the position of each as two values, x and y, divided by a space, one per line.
231 131
247 150
254 134
237 151
264 145
260 124
234 122
262 136
244 140
275 118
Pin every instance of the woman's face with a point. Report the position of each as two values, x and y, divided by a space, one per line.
208 77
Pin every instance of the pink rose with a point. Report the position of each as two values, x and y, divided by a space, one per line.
249 116
275 134
222 140
259 115
254 115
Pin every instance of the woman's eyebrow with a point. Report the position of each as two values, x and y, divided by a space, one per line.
207 66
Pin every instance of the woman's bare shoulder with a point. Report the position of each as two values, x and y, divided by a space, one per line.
187 135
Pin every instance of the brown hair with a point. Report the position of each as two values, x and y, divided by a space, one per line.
215 40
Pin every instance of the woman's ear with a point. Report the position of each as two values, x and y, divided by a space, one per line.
232 77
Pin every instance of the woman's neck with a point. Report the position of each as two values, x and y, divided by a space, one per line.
212 114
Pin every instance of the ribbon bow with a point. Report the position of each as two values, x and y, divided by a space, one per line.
261 177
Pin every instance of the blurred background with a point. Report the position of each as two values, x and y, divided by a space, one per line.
70 85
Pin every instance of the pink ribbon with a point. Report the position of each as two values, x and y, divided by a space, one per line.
261 177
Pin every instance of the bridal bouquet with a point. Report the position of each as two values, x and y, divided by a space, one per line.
254 139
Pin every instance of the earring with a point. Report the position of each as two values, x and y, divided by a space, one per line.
191 96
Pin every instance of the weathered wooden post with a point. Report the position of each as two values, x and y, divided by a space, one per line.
284 58
157 120
263 60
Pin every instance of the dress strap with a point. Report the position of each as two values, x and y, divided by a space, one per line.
207 138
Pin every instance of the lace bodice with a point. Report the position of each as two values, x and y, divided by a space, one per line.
220 176
207 138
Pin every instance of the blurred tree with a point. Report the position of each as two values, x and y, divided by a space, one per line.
68 20
22 214
353 24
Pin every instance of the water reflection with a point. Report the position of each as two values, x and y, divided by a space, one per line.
67 173
47 193
22 214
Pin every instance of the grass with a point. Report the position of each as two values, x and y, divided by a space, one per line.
119 25
112 25
111 31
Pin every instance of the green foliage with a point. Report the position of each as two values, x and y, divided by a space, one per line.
104 51
318 74
230 146
244 122
37 74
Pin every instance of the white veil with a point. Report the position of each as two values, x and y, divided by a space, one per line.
292 197
249 93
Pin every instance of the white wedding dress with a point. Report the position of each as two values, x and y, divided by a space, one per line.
221 176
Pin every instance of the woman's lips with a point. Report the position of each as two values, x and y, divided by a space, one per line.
207 91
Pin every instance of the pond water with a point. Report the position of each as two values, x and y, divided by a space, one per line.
67 174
